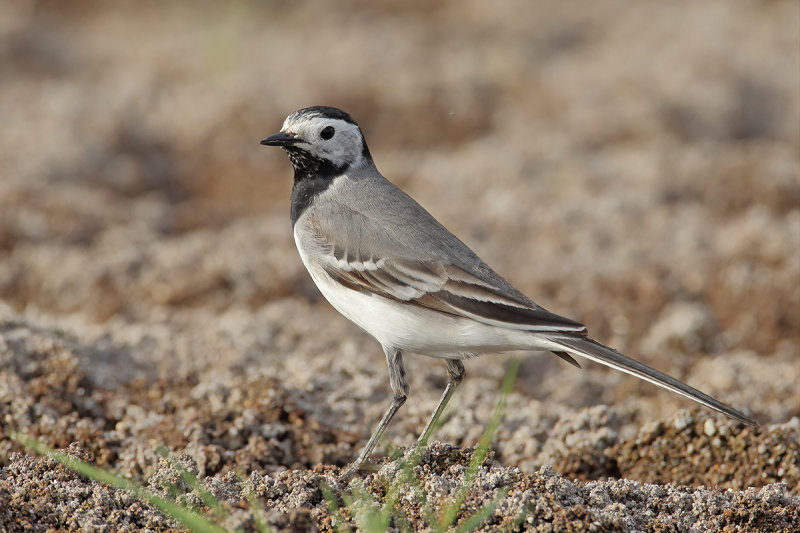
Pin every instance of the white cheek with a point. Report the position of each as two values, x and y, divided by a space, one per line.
338 155
344 149
341 155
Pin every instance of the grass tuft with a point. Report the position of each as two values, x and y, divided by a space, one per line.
368 514
188 517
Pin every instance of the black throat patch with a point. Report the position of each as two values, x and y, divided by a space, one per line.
312 176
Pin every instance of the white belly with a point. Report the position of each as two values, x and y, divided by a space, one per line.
417 329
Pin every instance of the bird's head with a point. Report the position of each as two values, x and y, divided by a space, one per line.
321 140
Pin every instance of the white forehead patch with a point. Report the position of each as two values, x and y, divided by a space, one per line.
308 127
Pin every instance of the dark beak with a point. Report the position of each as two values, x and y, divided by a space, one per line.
281 139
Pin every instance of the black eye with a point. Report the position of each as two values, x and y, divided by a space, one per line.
327 132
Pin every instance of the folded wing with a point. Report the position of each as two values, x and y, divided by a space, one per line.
444 287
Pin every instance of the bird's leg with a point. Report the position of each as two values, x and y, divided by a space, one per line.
455 370
399 385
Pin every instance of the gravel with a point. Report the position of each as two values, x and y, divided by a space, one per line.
633 166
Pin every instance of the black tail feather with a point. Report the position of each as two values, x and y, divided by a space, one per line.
591 349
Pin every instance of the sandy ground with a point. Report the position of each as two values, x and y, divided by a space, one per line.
633 166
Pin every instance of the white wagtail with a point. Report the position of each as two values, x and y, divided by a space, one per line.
387 265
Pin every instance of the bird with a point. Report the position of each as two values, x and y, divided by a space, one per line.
390 267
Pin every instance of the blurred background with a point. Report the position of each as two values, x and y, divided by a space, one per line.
634 166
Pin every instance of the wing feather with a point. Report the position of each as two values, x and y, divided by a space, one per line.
443 287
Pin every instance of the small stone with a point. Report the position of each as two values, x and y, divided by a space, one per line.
682 420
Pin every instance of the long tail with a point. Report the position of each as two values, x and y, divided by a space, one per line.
593 350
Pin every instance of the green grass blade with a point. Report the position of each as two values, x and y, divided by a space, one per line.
482 514
527 508
406 467
255 506
367 513
191 480
450 514
333 506
188 518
